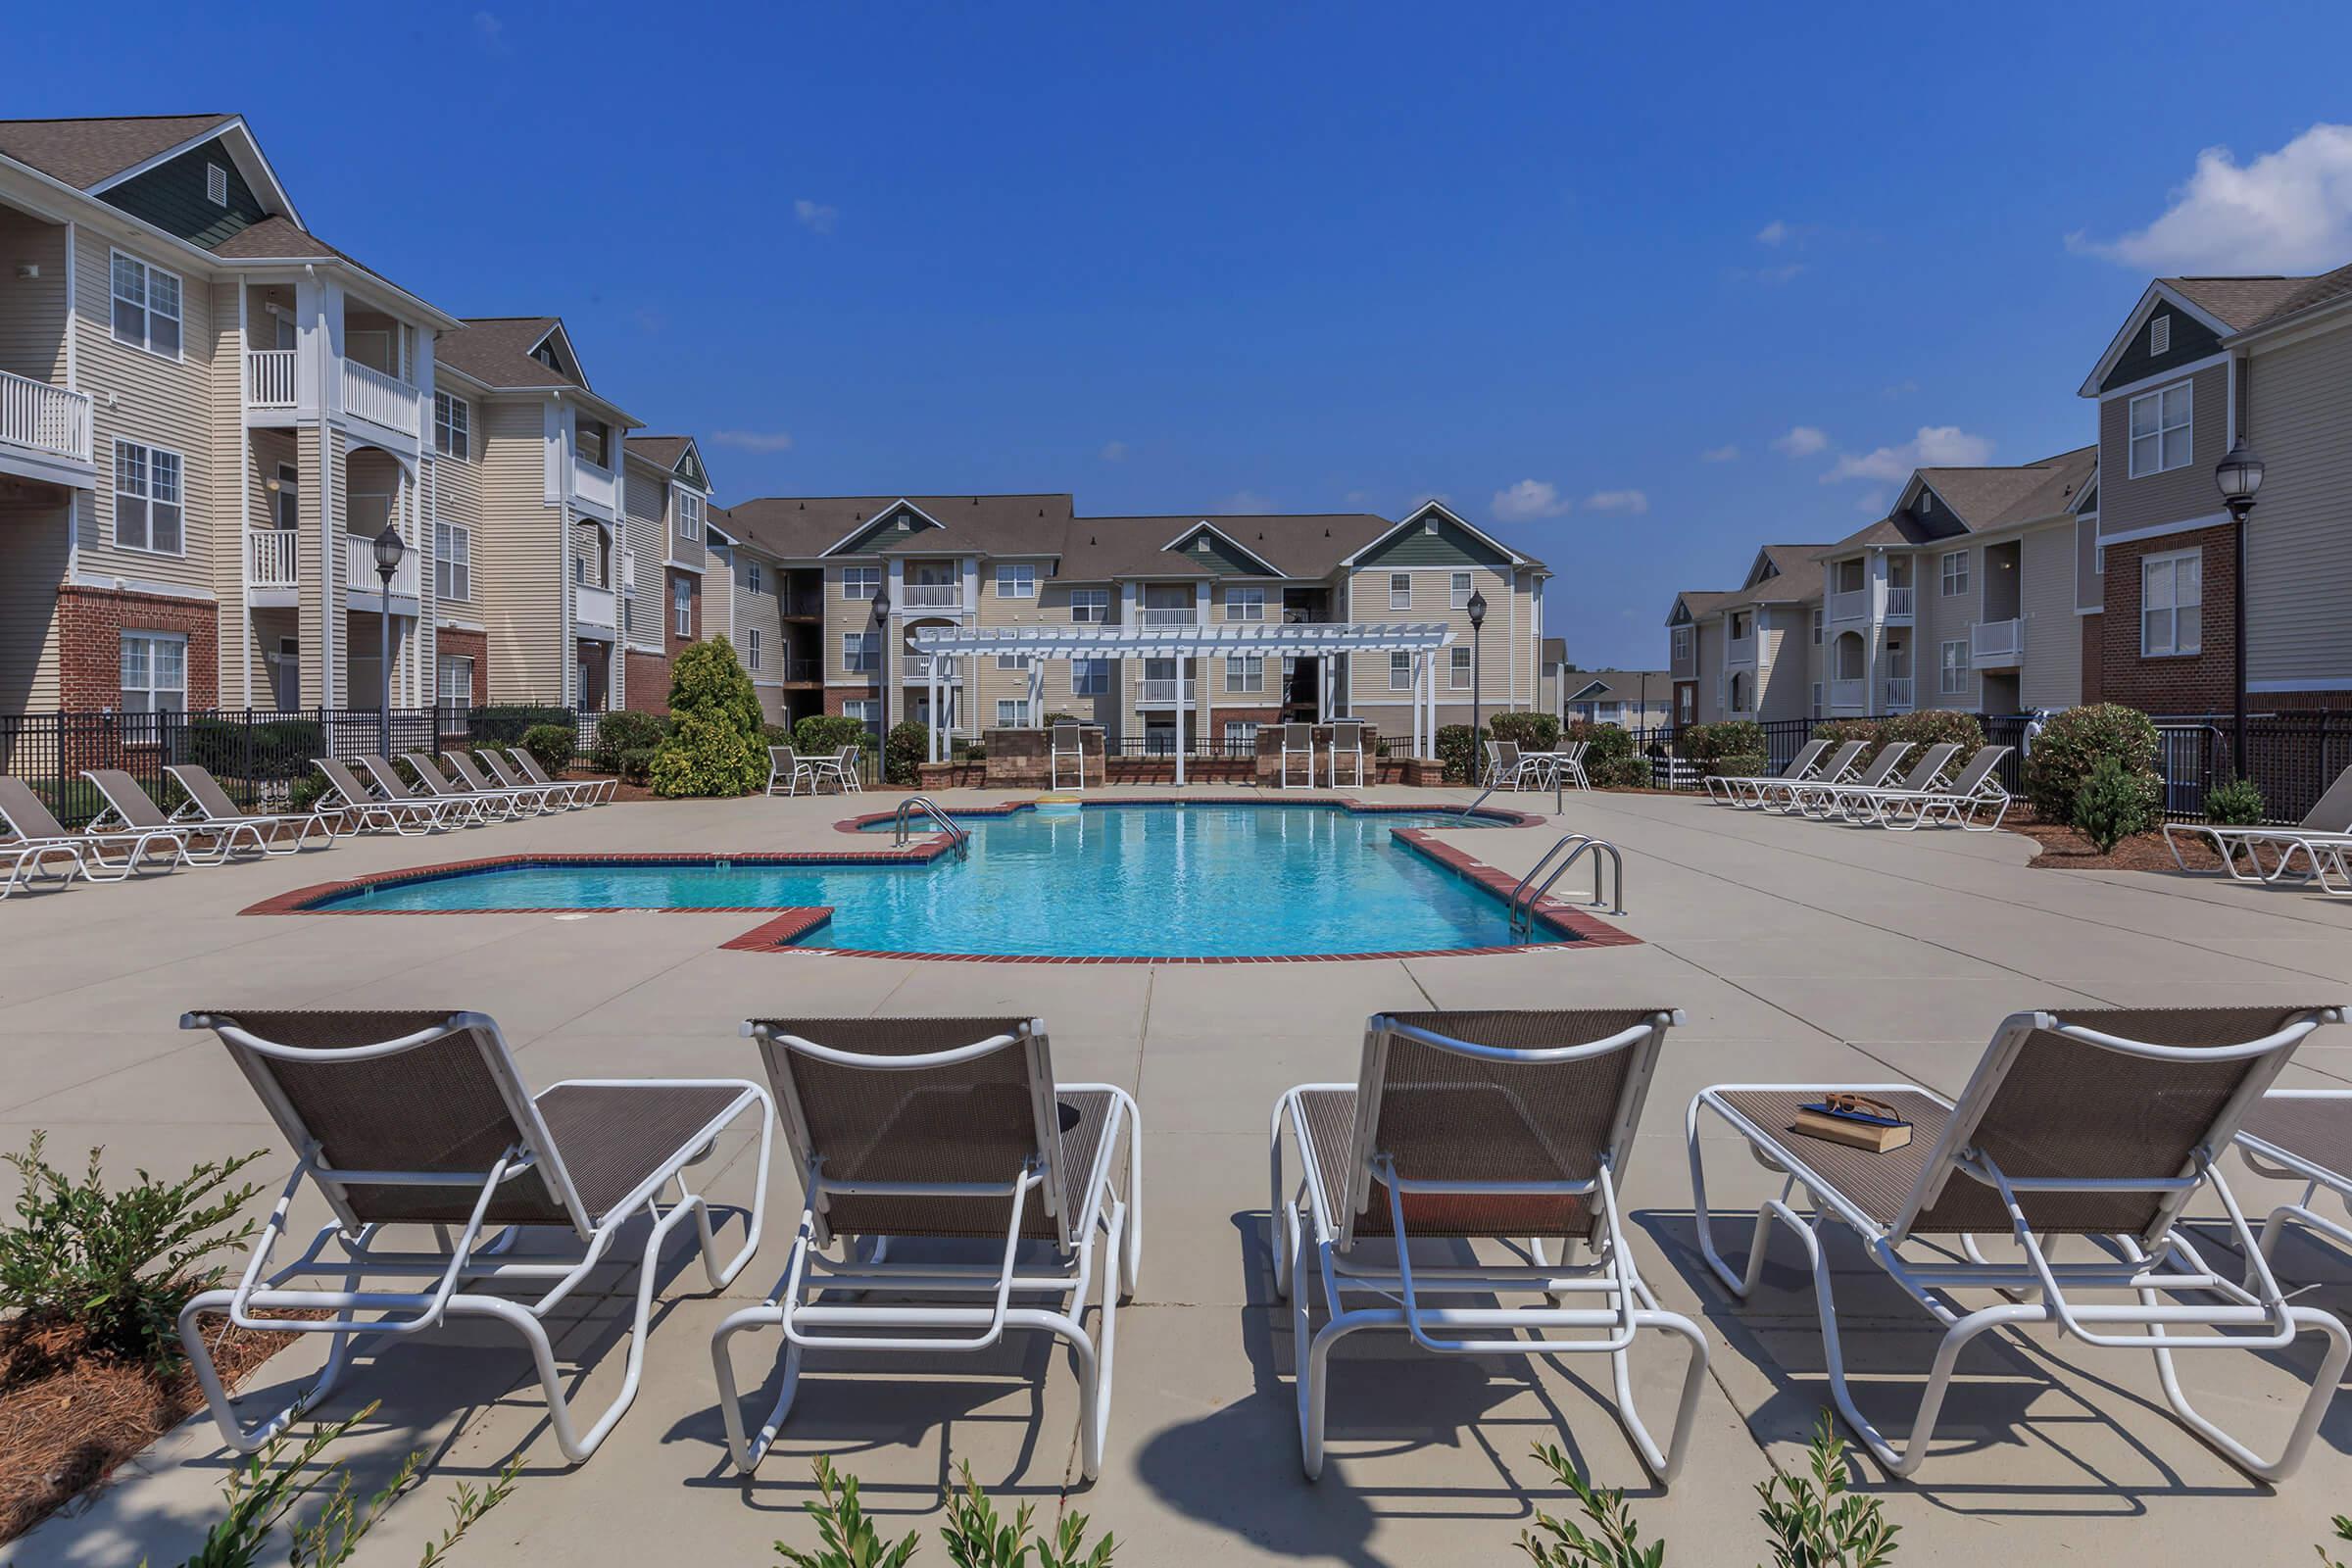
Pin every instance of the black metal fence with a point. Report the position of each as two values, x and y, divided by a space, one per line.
1208 747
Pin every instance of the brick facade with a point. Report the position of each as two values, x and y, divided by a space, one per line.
670 616
451 643
835 696
648 676
2094 653
2188 683
91 623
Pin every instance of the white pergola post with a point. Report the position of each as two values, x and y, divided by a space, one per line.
937 752
1181 661
1037 691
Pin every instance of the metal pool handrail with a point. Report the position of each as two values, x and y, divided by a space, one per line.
961 837
1530 892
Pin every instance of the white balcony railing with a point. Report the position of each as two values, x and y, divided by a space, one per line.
1852 604
593 608
270 379
47 418
1171 614
270 559
1161 691
1849 693
1899 691
919 669
380 399
594 484
359 575
1741 650
933 595
1997 643
1898 602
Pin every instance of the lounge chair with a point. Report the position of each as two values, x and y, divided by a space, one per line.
1858 803
2103 1123
949 1128
571 793
536 797
131 810
595 791
1069 745
1841 766
461 811
38 829
208 806
1297 740
1976 789
1813 797
1731 789
500 803
1467 1126
2327 824
786 770
1347 746
358 808
422 1118
29 863
2302 1135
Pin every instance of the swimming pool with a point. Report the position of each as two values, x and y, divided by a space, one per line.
1108 881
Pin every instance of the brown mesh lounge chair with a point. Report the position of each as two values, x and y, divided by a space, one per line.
209 806
1859 803
2320 839
421 1118
1841 766
1978 789
1731 789
590 791
2103 1124
569 792
2302 1135
129 810
506 805
36 828
360 809
531 798
951 1129
458 811
1468 1126
1813 797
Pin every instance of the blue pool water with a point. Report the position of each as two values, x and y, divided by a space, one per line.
1113 881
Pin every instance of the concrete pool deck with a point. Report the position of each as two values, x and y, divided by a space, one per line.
1798 950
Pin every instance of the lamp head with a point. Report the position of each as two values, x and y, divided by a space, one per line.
1477 610
389 548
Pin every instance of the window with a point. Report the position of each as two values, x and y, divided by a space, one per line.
1400 589
1682 645
1090 678
2171 604
453 560
865 709
1458 668
751 576
1017 583
1927 502
2160 332
1400 673
861 582
1954 664
453 426
1952 573
1460 591
751 648
1429 524
688 509
1090 604
1012 713
1011 662
1240 737
454 684
285 501
1245 603
1612 714
1741 689
1244 672
1817 628
154 672
146 307
147 507
215 184
2160 430
1739 625
681 607
1849 577
861 651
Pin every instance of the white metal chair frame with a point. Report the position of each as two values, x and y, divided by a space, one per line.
2320 839
534 799
1289 751
841 768
791 773
1978 789
1858 803
1064 1279
2267 1158
1314 1220
1353 749
465 1258
1817 798
113 825
585 790
1055 754
407 815
503 805
1505 767
1841 767
2160 1262
1746 790
27 862
265 827
89 849
459 810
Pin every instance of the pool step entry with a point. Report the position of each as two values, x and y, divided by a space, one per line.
958 837
1553 864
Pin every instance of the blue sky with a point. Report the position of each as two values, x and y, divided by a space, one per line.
1577 273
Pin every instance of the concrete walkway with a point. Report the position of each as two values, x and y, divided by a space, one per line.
1798 950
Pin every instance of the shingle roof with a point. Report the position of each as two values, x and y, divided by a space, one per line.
1797 580
664 450
84 152
1301 545
2238 302
1990 498
495 351
798 527
1555 650
1618 685
274 236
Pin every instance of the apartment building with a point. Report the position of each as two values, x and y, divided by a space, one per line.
1632 699
666 560
2199 364
803 572
1751 652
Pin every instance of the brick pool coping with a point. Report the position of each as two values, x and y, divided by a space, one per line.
779 934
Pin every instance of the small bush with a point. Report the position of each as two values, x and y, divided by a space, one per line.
1934 726
1730 748
302 794
824 734
1611 764
506 725
280 748
1837 731
119 1264
704 756
636 766
2234 802
1530 732
1454 750
624 731
904 753
2070 745
2111 806
550 746
975 1536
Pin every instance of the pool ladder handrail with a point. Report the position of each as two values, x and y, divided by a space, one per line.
1553 864
1465 812
960 838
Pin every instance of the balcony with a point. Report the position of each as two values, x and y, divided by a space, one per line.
379 399
1849 694
1171 615
594 485
594 611
360 580
270 559
270 379
932 595
918 670
804 671
1151 693
46 427
1998 644
1898 694
1853 603
1898 602
1741 650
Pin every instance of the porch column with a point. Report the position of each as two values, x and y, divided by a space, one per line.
1037 692
1181 661
932 747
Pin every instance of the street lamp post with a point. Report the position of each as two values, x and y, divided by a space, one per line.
389 548
1478 620
882 647
2239 475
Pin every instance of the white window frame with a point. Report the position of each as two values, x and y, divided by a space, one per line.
686 511
144 303
681 607
139 472
1244 672
453 560
861 652
1459 588
1090 678
1400 673
1458 668
1400 589
1245 603
445 665
1012 713
2163 429
453 426
1680 644
1241 734
2167 568
142 698
1090 605
1016 580
865 711
1951 583
1953 668
751 648
861 582
750 578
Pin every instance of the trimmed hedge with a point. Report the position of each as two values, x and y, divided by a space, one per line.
622 732
1611 763
280 749
2071 746
504 725
550 746
1530 732
1733 748
1934 726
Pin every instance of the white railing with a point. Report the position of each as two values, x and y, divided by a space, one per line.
359 575
47 418
380 399
1898 602
919 669
594 607
593 483
1899 691
1849 693
270 559
1996 642
1171 614
270 379
1161 691
1852 604
933 595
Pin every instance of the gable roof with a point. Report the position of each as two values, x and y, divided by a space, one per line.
805 527
1696 601
1621 685
1186 536
2232 307
1794 576
664 451
84 153
1985 499
495 351
1413 518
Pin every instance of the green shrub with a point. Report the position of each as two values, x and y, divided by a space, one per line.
705 756
1611 764
1454 750
636 766
279 749
120 1264
624 731
824 734
2111 806
302 794
1837 731
506 725
1730 748
2234 802
904 753
975 1536
1934 726
550 746
2070 745
1530 732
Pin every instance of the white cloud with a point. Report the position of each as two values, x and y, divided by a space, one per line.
1722 454
1115 451
1936 446
2289 210
1772 233
1872 504
1245 503
1801 441
815 216
1898 390
754 440
1633 501
1528 499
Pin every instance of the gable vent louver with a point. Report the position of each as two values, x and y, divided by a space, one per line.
2160 333
215 184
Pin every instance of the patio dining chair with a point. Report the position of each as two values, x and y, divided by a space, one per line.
1348 747
1298 741
1069 745
841 768
786 772
1464 1127
1505 767
100 856
422 1118
208 806
2101 1123
951 1130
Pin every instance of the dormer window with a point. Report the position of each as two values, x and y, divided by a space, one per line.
1927 503
2160 332
215 184
1202 544
904 524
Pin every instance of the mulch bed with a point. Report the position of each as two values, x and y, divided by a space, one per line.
2066 848
68 1418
